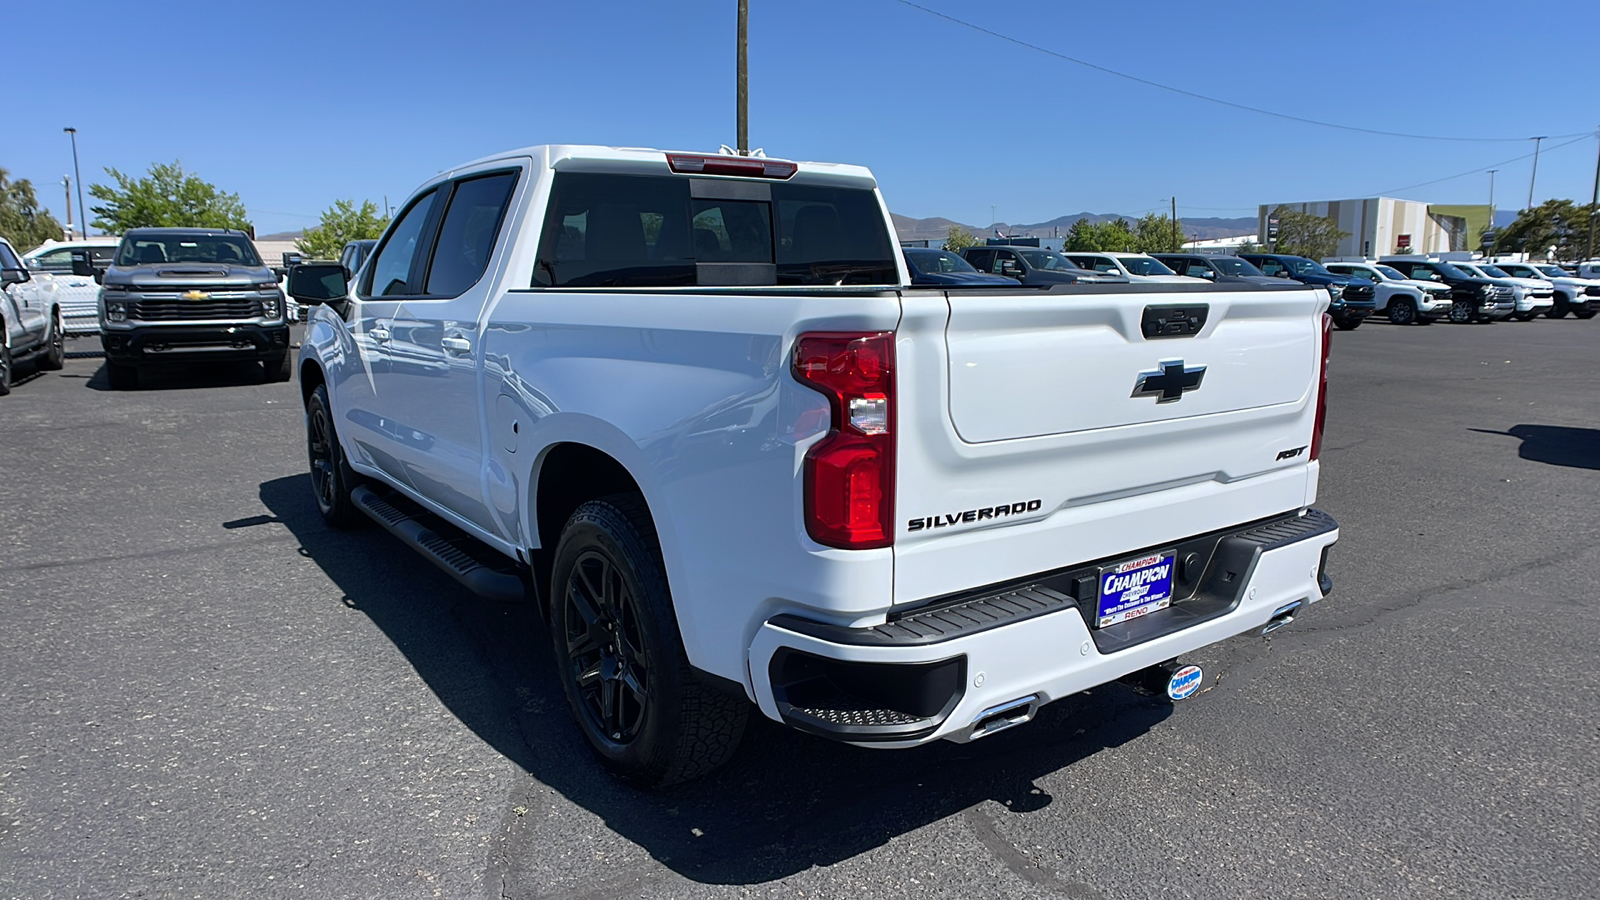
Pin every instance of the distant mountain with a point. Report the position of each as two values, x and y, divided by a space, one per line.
937 228
281 236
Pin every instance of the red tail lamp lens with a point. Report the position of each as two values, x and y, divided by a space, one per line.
849 475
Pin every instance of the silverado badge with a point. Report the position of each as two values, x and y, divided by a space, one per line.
1170 382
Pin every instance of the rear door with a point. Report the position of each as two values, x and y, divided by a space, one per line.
1092 420
30 309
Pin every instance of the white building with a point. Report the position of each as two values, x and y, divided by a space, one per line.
1378 226
1221 246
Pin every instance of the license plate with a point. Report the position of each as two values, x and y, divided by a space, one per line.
1135 588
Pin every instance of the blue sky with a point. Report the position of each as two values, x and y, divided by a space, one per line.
294 104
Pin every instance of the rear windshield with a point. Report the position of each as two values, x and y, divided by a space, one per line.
606 230
144 250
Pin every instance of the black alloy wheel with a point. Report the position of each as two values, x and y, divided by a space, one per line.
1559 310
620 657
606 655
56 355
332 479
1402 312
5 362
1461 312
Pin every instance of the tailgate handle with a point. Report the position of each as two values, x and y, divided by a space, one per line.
1174 321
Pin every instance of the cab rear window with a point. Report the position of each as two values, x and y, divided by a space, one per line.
604 230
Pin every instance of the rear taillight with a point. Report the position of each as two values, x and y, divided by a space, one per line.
849 475
744 166
1322 387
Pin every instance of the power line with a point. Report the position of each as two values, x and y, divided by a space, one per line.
1483 168
1255 109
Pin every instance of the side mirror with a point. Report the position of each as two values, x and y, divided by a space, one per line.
280 273
313 283
14 276
99 275
82 263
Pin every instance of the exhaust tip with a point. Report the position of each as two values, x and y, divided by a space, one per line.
1006 715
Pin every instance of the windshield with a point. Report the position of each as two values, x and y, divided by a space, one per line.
226 249
1493 271
1233 266
1047 259
1388 272
1553 271
1139 265
1301 266
1450 271
942 262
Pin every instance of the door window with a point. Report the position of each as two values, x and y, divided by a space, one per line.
8 260
390 272
467 233
982 260
55 260
1271 266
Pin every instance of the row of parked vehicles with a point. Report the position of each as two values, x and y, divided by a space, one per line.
1407 289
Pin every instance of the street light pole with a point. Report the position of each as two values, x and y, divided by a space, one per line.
1490 229
66 182
744 68
1594 201
83 211
1535 173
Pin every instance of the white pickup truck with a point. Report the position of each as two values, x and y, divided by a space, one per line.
690 405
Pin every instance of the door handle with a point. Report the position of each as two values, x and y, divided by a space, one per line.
379 334
456 345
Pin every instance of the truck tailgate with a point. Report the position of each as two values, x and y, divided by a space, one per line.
1040 430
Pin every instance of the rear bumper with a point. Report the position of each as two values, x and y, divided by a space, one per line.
935 672
196 343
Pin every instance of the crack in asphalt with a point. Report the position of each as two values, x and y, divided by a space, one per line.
148 554
1014 859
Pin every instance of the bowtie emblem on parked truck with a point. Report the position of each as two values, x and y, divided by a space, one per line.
1170 382
681 402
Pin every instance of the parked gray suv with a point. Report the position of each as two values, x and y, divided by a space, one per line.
189 295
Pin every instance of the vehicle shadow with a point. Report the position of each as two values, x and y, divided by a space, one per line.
786 803
178 376
1557 445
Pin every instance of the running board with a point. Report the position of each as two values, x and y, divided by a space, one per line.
420 530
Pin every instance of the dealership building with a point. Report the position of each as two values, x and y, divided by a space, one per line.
1378 226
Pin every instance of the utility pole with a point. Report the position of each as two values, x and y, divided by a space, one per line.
1175 245
83 211
744 69
1594 200
1535 173
1492 236
66 181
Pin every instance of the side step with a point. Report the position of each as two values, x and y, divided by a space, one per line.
459 556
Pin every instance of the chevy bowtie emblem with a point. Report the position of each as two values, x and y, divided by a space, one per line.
1170 382
195 295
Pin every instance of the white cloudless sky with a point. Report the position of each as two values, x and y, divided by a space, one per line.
295 104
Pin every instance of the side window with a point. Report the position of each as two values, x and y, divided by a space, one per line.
1197 269
616 230
390 272
55 260
1005 263
1271 267
8 259
982 260
467 233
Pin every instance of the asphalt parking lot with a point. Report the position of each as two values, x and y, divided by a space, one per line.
208 693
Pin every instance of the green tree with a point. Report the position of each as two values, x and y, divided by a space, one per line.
1112 235
1156 234
1559 226
344 222
958 238
1250 247
167 197
22 222
1303 234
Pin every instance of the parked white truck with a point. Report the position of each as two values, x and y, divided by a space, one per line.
690 405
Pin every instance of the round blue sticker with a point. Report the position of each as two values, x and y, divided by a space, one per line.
1184 682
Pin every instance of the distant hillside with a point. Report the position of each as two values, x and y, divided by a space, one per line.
281 236
936 228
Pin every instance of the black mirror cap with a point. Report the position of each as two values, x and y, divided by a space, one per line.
14 276
82 262
318 283
99 276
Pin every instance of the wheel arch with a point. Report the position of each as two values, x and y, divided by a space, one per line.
311 376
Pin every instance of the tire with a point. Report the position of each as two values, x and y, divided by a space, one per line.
280 369
332 479
56 355
620 657
1559 310
5 362
122 377
1461 312
1583 313
1346 324
1402 312
1425 320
